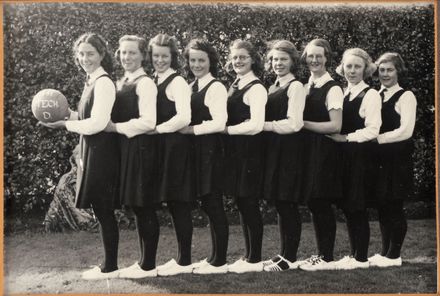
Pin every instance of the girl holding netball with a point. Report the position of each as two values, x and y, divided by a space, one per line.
284 152
174 163
322 180
394 179
134 114
97 181
209 115
360 126
247 98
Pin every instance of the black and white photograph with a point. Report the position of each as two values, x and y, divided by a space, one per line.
220 147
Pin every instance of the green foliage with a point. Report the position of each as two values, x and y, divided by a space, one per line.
38 41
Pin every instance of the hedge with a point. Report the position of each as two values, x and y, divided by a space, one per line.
38 38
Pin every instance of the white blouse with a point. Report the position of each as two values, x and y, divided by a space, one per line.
215 99
295 108
255 98
104 97
370 110
406 106
146 90
335 97
179 92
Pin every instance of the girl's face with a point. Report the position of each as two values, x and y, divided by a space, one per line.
316 60
161 58
199 62
131 56
281 63
354 67
88 57
388 74
241 61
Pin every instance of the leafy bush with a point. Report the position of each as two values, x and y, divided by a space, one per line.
38 38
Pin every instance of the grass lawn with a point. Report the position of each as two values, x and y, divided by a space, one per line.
52 263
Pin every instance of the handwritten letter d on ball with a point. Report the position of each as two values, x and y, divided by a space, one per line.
50 105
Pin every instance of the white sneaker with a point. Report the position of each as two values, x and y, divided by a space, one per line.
283 264
173 268
211 269
310 259
272 260
136 272
318 263
297 264
354 264
375 258
201 263
236 263
163 266
96 274
245 266
341 263
385 261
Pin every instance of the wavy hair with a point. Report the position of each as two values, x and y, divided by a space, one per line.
284 46
142 45
396 59
257 62
370 67
99 43
205 46
328 53
166 41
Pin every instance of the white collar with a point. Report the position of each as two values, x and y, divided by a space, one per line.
205 80
319 82
133 75
391 90
355 90
97 73
164 75
285 79
246 79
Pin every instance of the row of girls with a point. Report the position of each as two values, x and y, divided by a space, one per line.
152 141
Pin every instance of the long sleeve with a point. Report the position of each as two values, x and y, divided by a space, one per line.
294 121
147 93
179 92
256 98
370 110
406 106
215 99
73 115
104 98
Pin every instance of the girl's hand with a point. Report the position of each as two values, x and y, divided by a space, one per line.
111 127
338 137
152 132
268 126
70 114
53 125
188 130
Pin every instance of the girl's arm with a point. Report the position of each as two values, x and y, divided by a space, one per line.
370 110
335 100
215 99
178 91
327 127
408 106
147 93
256 98
295 109
104 98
